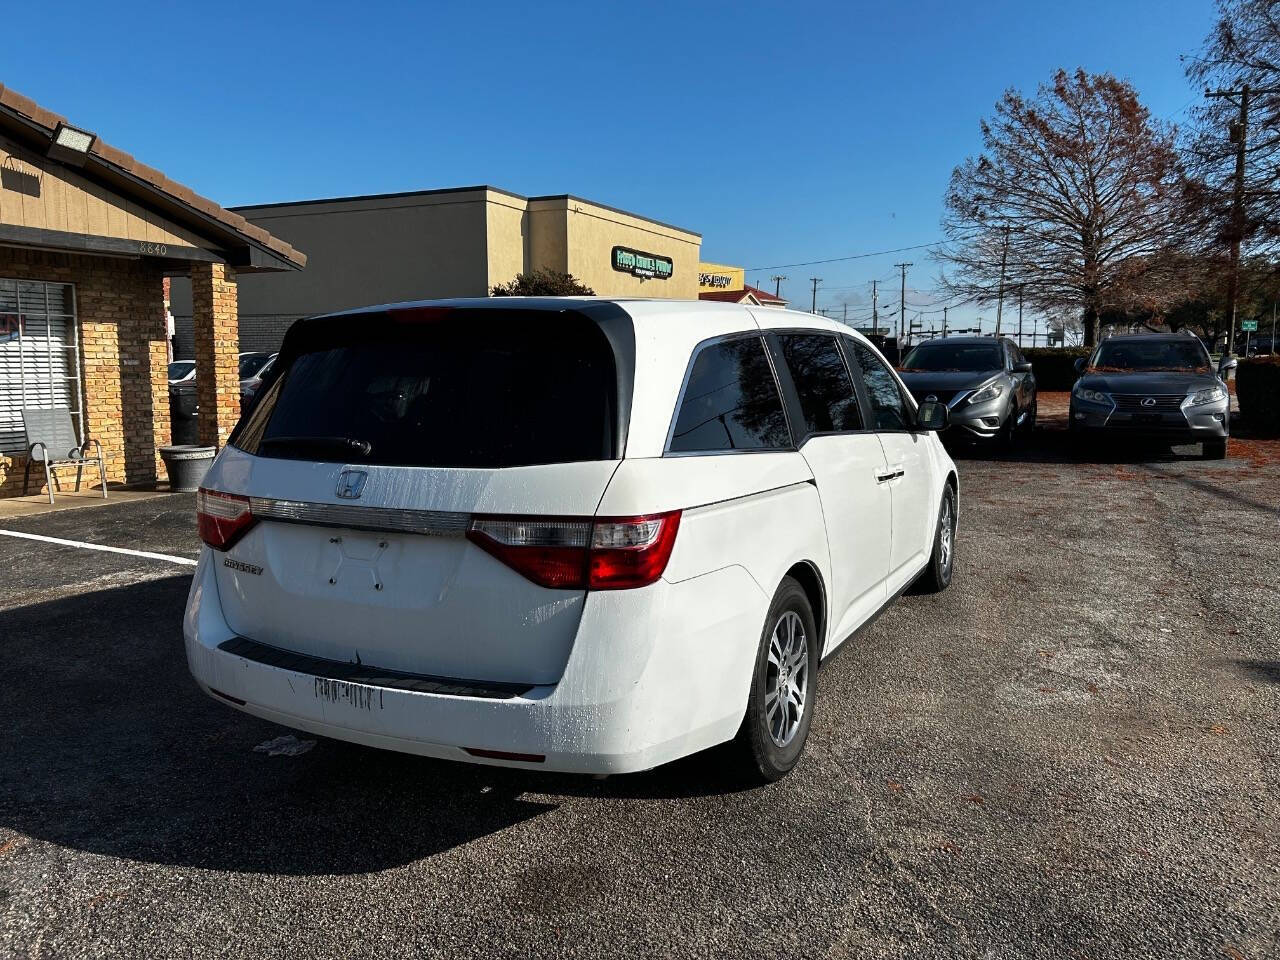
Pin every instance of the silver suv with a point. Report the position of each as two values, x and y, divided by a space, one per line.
986 383
1156 385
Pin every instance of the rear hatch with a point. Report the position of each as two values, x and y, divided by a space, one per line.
374 444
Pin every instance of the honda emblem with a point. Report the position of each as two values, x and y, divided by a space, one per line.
351 484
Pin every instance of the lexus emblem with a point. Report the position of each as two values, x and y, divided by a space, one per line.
931 398
351 484
1149 401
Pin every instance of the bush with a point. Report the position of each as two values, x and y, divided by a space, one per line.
1258 390
543 283
1055 368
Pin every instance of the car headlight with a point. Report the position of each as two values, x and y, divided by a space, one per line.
1092 396
1214 394
989 392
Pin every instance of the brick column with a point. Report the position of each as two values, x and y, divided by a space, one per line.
216 321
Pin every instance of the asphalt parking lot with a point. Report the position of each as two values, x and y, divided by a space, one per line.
1071 753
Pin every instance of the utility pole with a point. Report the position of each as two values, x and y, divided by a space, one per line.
1241 136
902 304
1004 259
875 313
944 321
1019 317
813 307
844 314
777 285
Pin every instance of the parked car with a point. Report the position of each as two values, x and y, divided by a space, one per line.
251 385
1160 386
251 365
566 534
181 370
986 383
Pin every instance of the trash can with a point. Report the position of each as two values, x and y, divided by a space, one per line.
184 413
186 465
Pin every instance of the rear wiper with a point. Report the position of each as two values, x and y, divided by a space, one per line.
346 446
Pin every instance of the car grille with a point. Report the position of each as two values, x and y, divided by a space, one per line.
1134 402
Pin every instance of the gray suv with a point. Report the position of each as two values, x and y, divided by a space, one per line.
985 382
1158 386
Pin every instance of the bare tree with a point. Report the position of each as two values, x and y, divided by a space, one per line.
1077 198
1242 50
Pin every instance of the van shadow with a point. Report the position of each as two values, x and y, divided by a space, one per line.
110 747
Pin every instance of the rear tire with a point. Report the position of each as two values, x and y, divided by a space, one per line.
937 575
783 688
1214 449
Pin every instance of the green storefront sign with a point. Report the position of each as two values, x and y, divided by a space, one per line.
640 264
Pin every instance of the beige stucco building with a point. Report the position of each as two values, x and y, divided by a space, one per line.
450 243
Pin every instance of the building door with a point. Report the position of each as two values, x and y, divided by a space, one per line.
39 356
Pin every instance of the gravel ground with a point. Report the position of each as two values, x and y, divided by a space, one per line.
1071 753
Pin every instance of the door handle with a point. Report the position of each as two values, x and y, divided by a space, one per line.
890 475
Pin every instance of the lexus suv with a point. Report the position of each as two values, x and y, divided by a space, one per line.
985 382
565 534
1155 386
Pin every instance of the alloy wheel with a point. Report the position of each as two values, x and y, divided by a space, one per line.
946 533
786 684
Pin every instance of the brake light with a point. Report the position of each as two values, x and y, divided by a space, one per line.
608 553
222 518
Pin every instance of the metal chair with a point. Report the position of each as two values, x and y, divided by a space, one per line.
51 440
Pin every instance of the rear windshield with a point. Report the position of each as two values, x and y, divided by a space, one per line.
475 389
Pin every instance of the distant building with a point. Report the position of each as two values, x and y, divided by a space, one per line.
434 244
752 296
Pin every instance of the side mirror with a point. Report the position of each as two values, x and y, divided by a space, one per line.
932 415
1226 365
1023 367
1080 364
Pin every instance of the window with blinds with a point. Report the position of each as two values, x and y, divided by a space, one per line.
39 355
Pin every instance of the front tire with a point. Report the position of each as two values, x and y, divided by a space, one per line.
1214 449
937 575
1007 439
783 687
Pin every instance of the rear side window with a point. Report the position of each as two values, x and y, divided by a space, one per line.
480 391
730 402
827 398
887 406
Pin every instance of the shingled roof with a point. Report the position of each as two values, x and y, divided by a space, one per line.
131 176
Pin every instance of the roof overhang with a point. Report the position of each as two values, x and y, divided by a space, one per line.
231 238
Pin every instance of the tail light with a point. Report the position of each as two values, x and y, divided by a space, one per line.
222 518
608 553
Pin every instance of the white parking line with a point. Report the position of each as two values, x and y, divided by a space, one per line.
185 561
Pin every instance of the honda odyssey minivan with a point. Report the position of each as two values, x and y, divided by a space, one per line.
567 534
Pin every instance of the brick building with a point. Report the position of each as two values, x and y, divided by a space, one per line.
88 239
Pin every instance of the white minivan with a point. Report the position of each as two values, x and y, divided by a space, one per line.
568 534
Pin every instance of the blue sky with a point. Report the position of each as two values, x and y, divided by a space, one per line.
781 132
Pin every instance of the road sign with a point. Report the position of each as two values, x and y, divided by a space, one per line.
1248 325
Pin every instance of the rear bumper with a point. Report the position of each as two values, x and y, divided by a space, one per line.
655 674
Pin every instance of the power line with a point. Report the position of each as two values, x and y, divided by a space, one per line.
861 256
